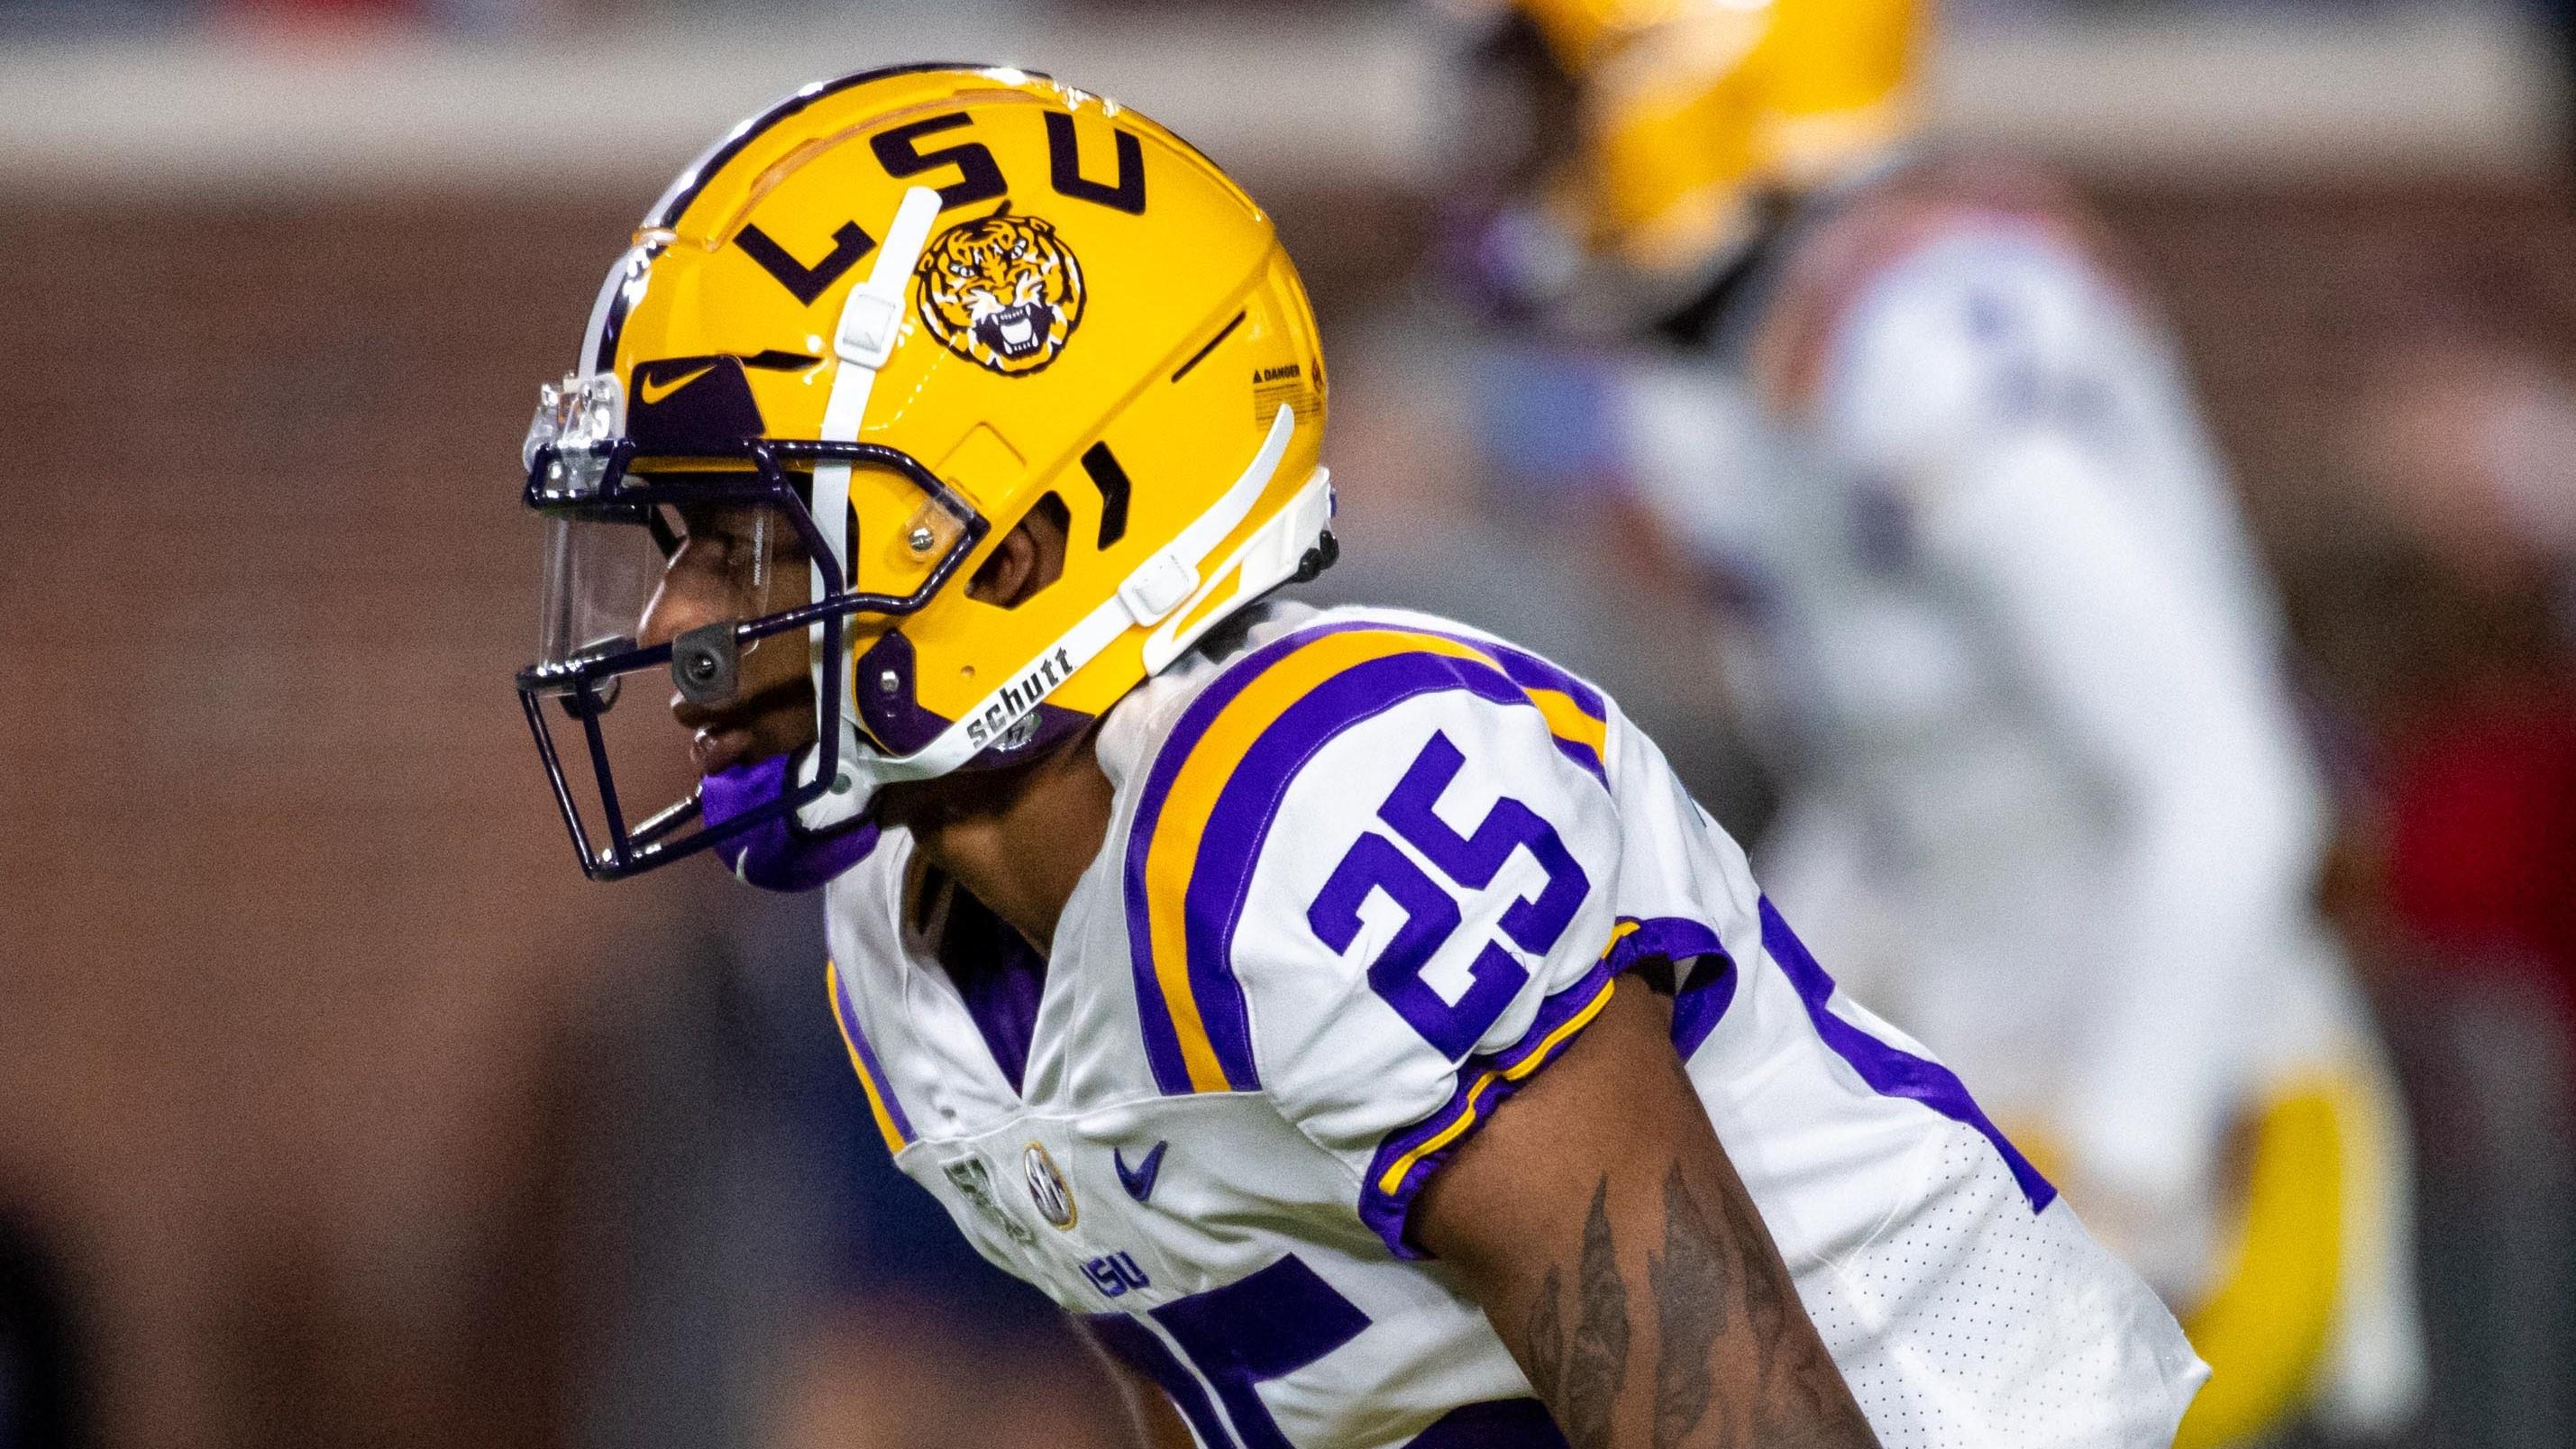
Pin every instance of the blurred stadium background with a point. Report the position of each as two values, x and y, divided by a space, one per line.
336 1109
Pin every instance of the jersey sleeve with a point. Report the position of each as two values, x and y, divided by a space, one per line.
1401 899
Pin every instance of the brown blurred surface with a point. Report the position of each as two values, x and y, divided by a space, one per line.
291 937
2288 306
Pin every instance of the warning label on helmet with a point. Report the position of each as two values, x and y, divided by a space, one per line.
1288 385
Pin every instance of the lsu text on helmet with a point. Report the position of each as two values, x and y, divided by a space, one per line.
1687 114
890 319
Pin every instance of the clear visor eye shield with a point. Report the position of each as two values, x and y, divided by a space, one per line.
725 538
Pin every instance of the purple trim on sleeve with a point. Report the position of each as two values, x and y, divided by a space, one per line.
868 1058
1248 803
1386 1212
1703 999
1889 1071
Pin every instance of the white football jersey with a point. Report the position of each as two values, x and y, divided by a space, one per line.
1993 615
2046 799
1366 874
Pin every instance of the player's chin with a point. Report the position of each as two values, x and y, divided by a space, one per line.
779 721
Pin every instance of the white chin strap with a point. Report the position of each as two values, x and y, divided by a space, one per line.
1174 588
871 327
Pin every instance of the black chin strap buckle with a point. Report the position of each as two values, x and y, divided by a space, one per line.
705 664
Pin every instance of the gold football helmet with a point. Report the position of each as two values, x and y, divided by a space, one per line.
884 321
1686 114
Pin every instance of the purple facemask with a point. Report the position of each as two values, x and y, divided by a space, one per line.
779 855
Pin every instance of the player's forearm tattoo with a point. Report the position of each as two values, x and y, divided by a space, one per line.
1581 1380
1543 1346
1691 1287
1710 1284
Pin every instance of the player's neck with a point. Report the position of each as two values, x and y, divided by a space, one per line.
1017 840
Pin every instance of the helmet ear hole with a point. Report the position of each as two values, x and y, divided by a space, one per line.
1028 559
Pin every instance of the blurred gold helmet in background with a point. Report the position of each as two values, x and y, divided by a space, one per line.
1687 113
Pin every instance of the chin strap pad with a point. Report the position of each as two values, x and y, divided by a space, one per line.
779 854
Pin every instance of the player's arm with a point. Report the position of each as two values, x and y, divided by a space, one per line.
1432 965
1610 1241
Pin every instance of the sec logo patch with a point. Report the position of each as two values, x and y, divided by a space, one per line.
1047 1186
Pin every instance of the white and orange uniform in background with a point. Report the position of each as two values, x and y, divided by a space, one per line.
1990 609
1366 874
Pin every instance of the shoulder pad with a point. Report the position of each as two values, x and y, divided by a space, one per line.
1220 779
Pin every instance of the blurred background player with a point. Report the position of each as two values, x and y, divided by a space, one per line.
1985 606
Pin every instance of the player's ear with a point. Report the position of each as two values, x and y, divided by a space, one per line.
1028 559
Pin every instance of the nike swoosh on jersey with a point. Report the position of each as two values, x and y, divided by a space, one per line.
654 390
1139 1180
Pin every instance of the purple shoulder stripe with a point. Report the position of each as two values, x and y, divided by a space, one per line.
1889 1071
1162 1036
1532 672
1248 805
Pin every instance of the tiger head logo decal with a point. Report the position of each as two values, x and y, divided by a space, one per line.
1002 291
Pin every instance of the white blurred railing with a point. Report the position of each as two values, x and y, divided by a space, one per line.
1279 97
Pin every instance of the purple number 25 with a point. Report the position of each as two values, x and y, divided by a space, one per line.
1534 923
